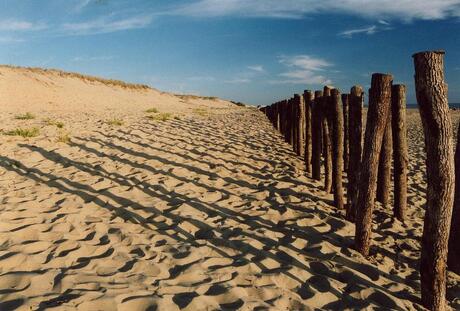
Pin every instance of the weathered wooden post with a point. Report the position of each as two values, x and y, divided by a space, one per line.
453 259
300 123
308 99
287 109
283 118
384 170
302 127
400 151
346 137
355 146
431 91
377 116
327 144
337 147
316 136
292 123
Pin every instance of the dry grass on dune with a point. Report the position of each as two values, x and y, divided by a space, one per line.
88 78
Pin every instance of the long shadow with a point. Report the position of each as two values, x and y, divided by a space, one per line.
254 223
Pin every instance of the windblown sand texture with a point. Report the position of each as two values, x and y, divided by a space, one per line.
210 210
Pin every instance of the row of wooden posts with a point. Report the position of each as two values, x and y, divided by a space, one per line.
326 129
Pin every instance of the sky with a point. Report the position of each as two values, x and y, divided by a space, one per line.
253 51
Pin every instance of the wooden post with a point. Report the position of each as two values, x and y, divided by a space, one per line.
308 100
300 123
302 127
337 147
377 116
327 144
292 122
287 116
400 151
431 91
384 170
316 136
284 121
453 259
345 105
355 146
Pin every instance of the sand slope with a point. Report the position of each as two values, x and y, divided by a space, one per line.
31 89
209 211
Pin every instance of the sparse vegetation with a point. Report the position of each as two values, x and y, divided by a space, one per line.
63 138
240 104
115 122
24 132
160 117
58 124
187 97
200 111
86 78
26 116
152 110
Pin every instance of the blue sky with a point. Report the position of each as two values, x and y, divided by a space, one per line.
255 51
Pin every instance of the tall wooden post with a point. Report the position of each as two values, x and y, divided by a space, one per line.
345 105
453 259
377 116
384 170
300 124
327 143
292 123
316 136
284 108
308 100
431 91
337 147
356 147
400 151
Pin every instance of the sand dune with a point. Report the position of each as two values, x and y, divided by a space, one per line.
210 210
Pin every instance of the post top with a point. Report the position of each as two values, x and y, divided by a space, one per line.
442 52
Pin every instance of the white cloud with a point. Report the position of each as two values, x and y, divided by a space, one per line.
351 32
383 9
17 25
304 69
256 68
305 62
108 24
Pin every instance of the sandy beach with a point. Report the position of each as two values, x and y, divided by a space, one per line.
198 204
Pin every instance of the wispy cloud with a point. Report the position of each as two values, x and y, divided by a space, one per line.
304 69
382 9
9 39
351 32
257 68
368 30
19 25
81 4
108 24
